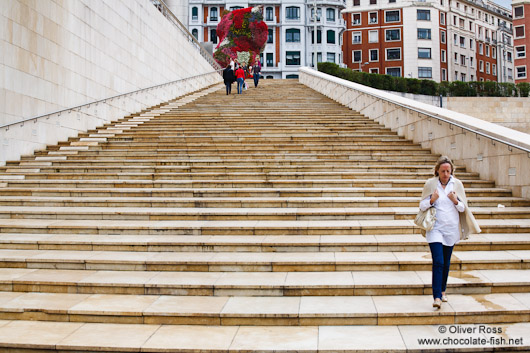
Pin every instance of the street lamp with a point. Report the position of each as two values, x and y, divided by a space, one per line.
361 65
315 35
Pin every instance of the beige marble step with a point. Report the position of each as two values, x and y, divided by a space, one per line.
283 284
259 261
78 337
257 227
260 311
252 243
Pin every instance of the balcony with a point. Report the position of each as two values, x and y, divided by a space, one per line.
488 40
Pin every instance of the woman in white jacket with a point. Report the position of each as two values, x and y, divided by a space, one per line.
454 222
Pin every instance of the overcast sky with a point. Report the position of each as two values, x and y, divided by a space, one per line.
505 3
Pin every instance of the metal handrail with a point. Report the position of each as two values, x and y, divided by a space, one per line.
423 112
102 100
162 7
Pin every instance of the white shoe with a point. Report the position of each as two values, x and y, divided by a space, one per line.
437 303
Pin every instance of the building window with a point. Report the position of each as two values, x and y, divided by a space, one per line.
195 33
519 32
521 71
509 56
356 19
330 35
442 18
194 13
392 16
319 58
462 23
471 62
481 66
373 2
424 33
443 56
357 56
424 53
269 60
270 36
520 52
213 36
481 49
213 14
374 54
293 13
462 60
356 38
292 35
372 17
292 77
462 42
373 36
374 70
463 77
393 54
393 71
292 58
319 14
392 35
391 1
494 69
456 58
269 14
319 37
425 72
331 57
518 11
356 2
487 50
330 15
423 15
494 52
471 44
487 68
444 75
236 8
442 37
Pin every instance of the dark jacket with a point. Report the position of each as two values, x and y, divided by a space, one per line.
228 75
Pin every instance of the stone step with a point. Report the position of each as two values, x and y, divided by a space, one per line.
259 261
264 311
253 243
77 337
271 284
285 214
242 192
247 202
117 183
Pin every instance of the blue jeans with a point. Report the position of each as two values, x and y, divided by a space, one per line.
441 260
240 82
256 80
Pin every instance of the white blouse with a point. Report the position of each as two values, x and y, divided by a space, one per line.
446 228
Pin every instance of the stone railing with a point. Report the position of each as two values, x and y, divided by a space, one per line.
28 135
497 153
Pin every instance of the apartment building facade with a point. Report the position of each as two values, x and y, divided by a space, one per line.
521 25
441 40
290 43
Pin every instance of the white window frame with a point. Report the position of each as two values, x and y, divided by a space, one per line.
494 69
393 21
517 73
360 19
442 18
376 18
488 72
443 56
393 29
522 7
444 75
376 36
370 55
394 67
360 37
400 54
430 54
374 70
443 39
353 56
481 66
424 67
516 53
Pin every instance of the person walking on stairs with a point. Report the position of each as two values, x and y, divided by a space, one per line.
454 222
240 76
229 78
256 69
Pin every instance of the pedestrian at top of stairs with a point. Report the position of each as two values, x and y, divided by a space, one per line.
229 78
255 70
240 76
454 222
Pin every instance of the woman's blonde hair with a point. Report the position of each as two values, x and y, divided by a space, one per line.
443 160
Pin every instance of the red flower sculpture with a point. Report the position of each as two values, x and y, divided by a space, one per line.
241 31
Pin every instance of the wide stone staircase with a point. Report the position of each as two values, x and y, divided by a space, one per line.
276 220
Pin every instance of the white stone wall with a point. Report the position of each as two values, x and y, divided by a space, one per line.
493 160
58 54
